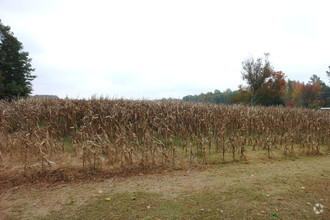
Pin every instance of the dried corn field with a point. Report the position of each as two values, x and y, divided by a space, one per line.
43 137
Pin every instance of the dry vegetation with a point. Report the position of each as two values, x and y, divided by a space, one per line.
63 138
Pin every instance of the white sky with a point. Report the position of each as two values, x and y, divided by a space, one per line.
153 49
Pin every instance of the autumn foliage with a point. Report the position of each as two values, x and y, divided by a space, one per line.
306 95
271 93
268 87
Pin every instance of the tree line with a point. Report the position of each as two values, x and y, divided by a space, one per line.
216 97
268 87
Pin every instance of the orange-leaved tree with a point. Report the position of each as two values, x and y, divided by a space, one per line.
271 91
306 95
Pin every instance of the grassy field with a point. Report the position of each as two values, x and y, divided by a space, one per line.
259 189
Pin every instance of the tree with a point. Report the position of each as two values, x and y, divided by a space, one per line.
324 93
288 93
15 66
255 72
217 97
243 96
312 94
271 92
296 97
228 90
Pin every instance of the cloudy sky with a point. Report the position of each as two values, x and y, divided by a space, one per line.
152 49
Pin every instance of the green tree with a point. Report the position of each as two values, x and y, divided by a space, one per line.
288 92
15 66
328 73
255 72
217 97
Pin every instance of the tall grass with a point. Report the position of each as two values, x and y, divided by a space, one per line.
38 135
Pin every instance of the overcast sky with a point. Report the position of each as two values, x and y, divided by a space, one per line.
153 49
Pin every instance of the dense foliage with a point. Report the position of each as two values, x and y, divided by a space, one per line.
267 87
313 94
15 67
216 97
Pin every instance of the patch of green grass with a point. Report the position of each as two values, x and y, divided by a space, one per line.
265 189
234 202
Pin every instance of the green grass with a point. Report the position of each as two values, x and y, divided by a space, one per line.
259 188
236 203
264 190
